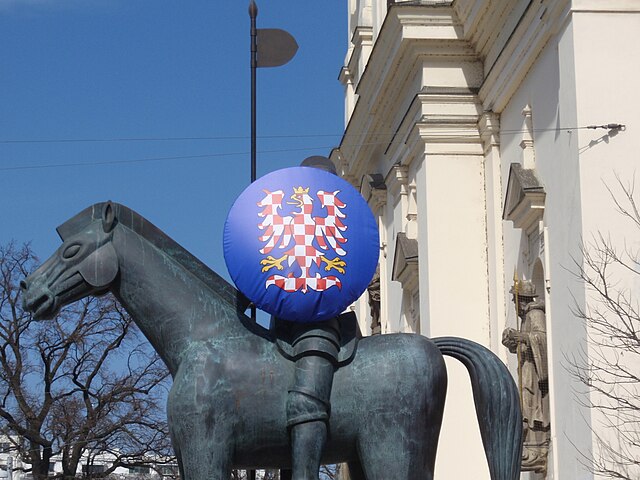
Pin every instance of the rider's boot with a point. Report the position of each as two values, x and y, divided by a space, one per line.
307 442
308 403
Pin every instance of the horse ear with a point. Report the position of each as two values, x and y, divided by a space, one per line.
108 217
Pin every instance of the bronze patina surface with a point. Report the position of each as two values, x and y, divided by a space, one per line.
227 405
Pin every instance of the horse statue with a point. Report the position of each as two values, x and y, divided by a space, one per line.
226 408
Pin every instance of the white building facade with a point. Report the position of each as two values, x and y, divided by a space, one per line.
466 130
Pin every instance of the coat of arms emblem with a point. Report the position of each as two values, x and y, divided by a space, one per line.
301 243
306 241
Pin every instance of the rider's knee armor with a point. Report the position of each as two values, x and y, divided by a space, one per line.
316 347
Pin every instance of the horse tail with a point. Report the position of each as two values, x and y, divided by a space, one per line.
497 404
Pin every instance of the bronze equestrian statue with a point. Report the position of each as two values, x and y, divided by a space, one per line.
227 405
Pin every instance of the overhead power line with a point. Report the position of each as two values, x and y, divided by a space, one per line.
156 139
442 134
610 126
149 159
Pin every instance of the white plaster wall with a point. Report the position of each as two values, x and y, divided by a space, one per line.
455 250
495 248
447 73
454 301
550 90
607 81
393 290
379 14
424 282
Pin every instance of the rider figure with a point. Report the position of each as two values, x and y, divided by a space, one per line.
315 349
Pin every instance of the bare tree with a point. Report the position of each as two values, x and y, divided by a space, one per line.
81 385
327 472
610 369
260 475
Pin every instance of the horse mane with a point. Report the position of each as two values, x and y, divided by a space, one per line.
138 224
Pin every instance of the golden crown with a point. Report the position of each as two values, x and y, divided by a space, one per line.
300 190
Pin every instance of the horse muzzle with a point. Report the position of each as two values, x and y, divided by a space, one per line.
38 299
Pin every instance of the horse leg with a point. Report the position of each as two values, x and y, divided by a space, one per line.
402 444
355 470
202 451
307 441
203 441
400 453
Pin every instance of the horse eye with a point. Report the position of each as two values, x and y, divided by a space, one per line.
71 251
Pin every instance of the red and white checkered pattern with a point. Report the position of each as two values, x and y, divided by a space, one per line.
296 234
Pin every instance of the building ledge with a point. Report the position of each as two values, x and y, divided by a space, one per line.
405 261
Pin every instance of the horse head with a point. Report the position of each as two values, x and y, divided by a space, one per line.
85 264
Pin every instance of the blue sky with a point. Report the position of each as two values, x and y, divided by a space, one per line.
74 73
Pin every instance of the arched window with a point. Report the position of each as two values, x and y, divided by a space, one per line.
537 277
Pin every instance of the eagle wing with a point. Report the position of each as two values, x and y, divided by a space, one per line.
329 229
276 228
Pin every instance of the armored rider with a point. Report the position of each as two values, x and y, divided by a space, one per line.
315 351
295 247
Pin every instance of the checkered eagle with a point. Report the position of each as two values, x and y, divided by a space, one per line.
305 242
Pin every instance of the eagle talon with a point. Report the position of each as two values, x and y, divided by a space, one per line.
271 262
336 263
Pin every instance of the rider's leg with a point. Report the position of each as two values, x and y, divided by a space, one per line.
307 441
308 404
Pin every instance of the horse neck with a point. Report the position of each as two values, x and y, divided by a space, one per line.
171 306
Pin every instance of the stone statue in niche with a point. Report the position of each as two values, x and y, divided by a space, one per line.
529 342
374 302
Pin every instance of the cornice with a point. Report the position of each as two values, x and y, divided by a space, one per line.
362 35
361 39
525 44
410 38
405 262
524 198
472 13
407 27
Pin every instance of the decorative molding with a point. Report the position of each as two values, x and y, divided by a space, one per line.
343 167
405 82
412 210
489 128
346 76
412 213
528 152
524 199
398 180
374 191
362 41
443 115
362 35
